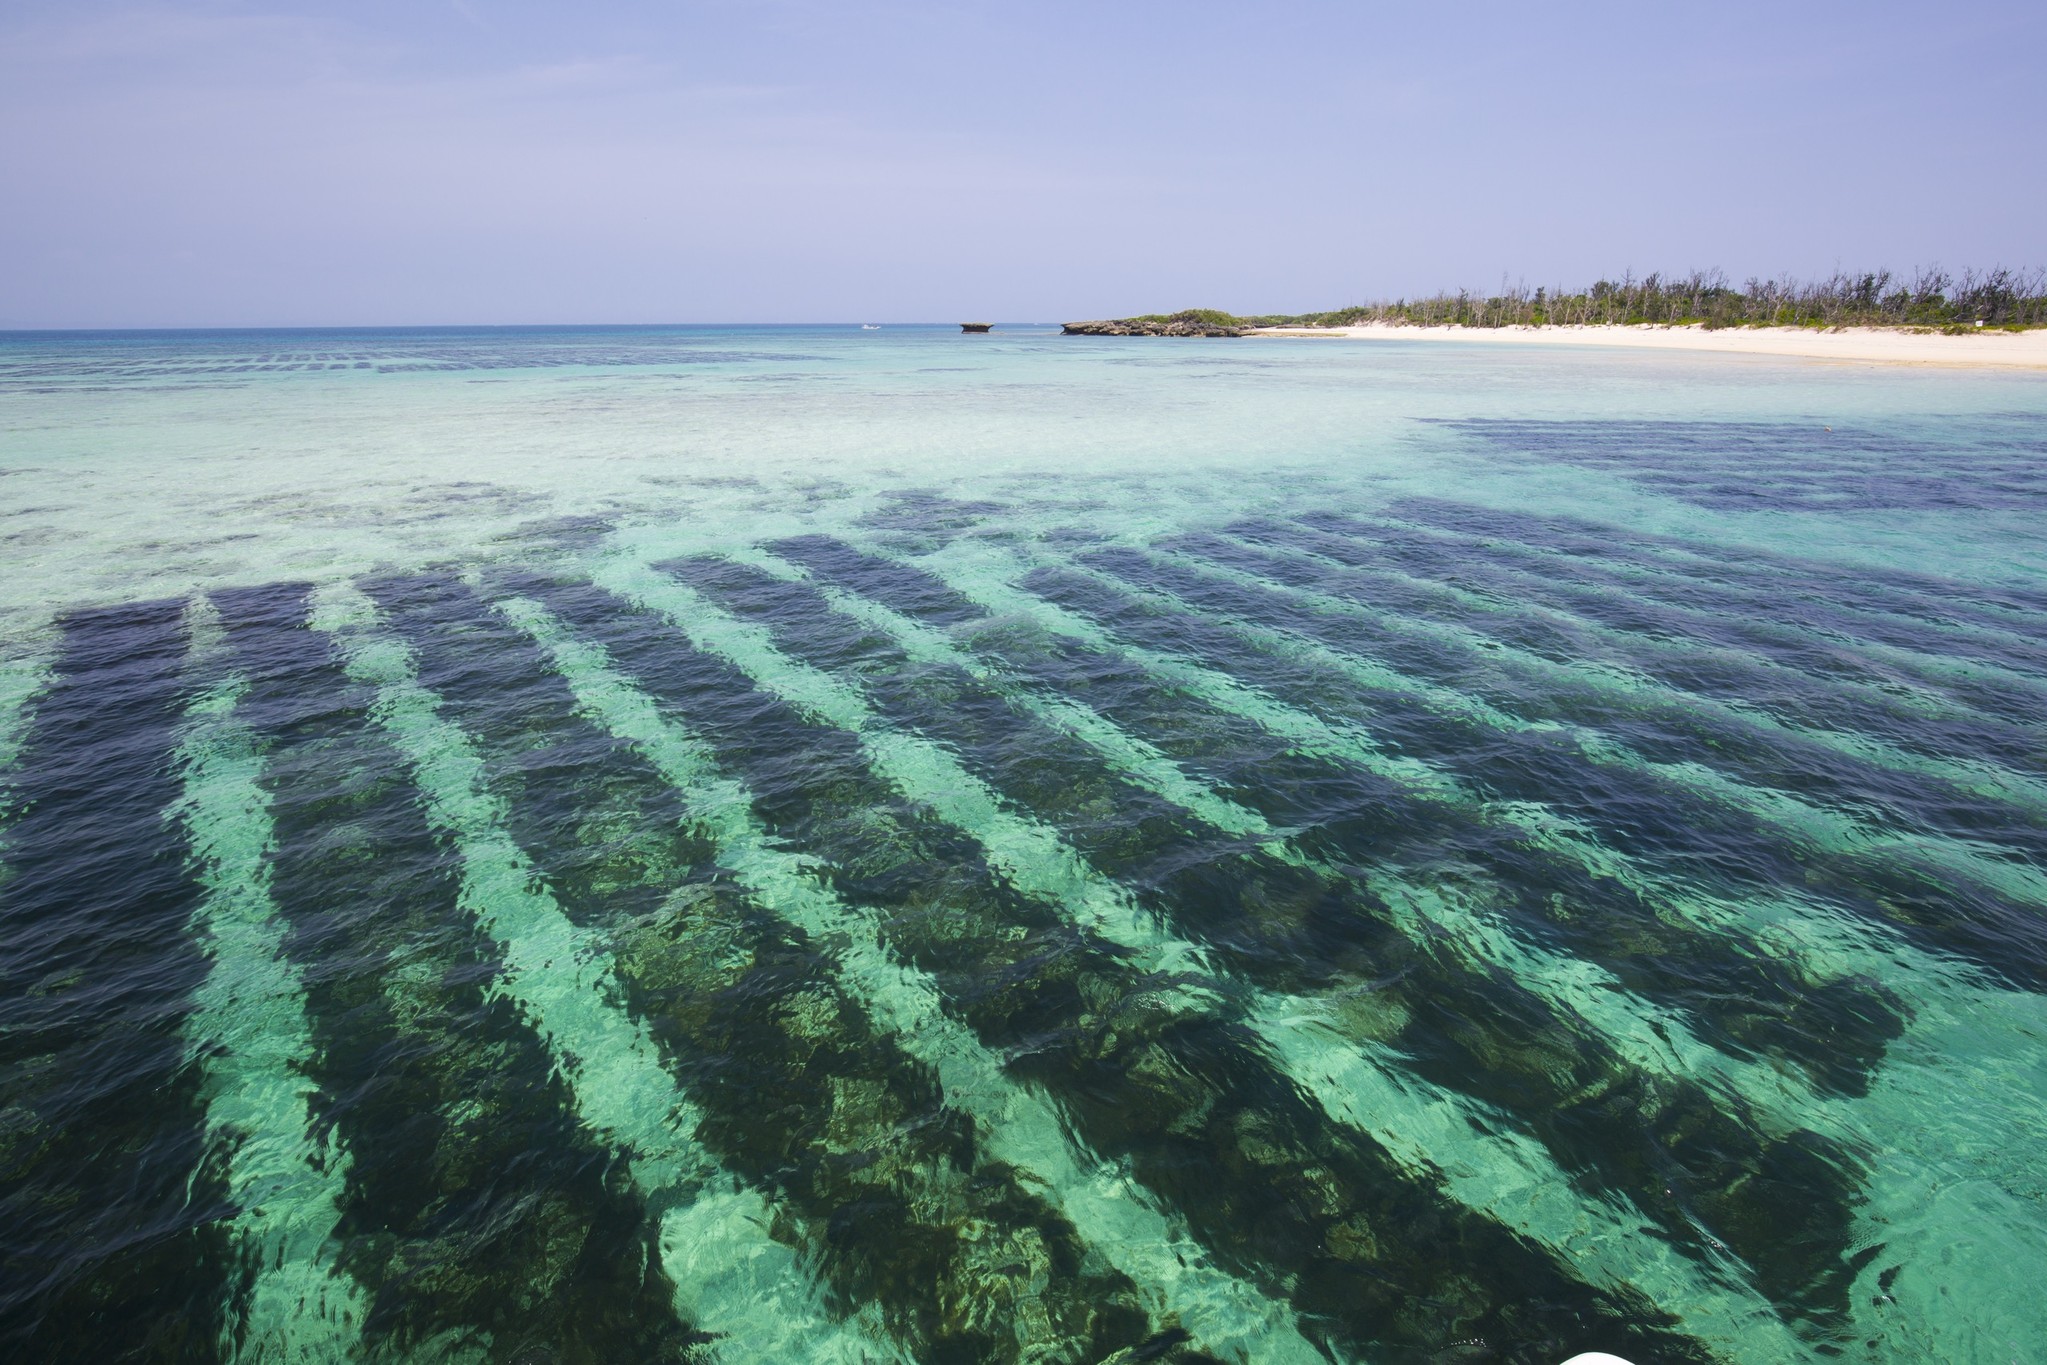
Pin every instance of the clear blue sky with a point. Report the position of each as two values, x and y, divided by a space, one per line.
210 162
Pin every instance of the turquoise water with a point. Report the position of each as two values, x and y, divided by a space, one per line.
565 845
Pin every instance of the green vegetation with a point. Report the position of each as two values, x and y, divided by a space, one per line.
1207 317
1930 299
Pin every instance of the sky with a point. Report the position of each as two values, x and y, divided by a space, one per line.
230 163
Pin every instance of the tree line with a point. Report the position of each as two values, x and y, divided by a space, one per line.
1930 298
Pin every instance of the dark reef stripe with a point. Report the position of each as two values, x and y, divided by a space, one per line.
1928 632
1674 1150
802 1094
1741 1001
470 1179
1945 894
1546 678
1944 890
1969 678
1789 466
1727 654
1554 663
1934 702
1544 683
1923 600
108 1214
1186 1099
1828 946
904 587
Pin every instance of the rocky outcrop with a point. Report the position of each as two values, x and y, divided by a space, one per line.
1177 325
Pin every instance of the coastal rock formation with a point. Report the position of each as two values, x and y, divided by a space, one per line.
1195 322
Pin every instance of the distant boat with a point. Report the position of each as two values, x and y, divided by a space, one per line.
870 327
975 326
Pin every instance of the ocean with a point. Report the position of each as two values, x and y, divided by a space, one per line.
558 845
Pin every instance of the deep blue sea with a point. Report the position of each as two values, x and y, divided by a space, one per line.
617 845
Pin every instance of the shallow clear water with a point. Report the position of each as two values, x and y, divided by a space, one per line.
800 843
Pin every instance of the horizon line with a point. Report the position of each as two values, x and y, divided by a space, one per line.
10 329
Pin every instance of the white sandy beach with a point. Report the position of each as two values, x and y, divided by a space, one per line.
2023 350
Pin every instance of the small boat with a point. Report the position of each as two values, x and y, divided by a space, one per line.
975 326
870 327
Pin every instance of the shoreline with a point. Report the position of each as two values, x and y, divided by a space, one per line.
1877 345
